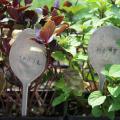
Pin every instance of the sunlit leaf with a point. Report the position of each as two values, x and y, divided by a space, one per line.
114 91
96 98
114 71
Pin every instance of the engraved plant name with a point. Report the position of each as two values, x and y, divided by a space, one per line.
108 50
30 60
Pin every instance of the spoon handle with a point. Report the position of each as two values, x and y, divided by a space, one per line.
24 99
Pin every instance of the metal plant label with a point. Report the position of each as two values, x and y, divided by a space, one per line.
27 60
103 49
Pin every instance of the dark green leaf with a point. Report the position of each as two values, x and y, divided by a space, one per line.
60 99
96 111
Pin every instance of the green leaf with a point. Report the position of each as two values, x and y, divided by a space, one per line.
59 56
96 111
76 27
80 57
74 9
117 2
92 1
60 84
41 3
106 69
111 115
115 106
114 71
96 98
114 91
77 92
60 99
69 43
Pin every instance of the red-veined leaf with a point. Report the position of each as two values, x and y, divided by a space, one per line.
31 15
57 19
45 10
61 29
15 3
54 12
67 4
22 8
47 30
14 13
4 2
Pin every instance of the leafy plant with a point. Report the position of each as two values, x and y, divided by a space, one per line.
109 102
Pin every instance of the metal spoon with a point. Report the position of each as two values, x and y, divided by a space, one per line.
27 60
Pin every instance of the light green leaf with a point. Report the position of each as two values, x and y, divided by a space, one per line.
114 71
80 56
74 9
106 69
117 2
114 91
96 98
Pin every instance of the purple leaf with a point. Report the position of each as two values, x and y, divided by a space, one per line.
6 46
15 3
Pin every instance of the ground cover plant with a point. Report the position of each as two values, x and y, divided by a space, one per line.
65 28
